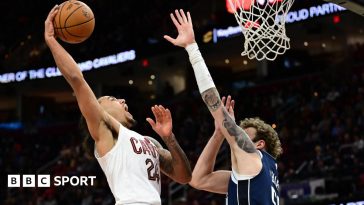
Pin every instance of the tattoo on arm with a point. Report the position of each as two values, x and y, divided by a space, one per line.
172 157
178 157
212 99
241 138
165 161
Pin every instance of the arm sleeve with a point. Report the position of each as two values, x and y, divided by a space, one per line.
202 74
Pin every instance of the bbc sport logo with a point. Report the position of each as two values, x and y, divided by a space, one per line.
31 180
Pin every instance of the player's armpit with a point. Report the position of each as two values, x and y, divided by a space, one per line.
96 117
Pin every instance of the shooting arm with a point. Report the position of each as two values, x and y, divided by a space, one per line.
86 99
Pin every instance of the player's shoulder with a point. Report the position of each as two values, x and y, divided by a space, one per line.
154 141
266 155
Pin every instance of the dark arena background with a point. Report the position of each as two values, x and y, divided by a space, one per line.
313 96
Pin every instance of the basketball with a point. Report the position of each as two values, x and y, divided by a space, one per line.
74 22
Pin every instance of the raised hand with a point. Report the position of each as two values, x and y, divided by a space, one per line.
229 105
48 24
163 121
184 26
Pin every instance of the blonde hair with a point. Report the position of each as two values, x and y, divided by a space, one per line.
264 132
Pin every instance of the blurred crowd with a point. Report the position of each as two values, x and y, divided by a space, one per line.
319 118
120 26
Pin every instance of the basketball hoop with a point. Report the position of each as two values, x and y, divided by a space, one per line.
263 25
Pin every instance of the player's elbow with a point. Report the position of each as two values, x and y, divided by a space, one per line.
197 182
194 184
185 179
75 78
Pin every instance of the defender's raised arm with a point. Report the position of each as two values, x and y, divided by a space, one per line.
238 139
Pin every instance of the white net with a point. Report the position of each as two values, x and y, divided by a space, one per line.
263 26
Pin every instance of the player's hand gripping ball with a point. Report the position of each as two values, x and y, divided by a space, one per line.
74 22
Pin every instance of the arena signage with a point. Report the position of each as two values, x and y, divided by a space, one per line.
50 72
314 11
292 16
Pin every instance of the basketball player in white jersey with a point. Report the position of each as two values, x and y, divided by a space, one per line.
130 161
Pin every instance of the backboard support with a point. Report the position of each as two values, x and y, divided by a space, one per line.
356 6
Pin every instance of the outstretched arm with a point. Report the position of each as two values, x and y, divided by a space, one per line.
173 162
239 141
90 108
203 176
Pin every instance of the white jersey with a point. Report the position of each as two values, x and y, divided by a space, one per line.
132 169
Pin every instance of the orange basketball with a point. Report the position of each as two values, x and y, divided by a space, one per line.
74 22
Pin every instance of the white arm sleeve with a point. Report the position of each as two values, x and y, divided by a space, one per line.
202 74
